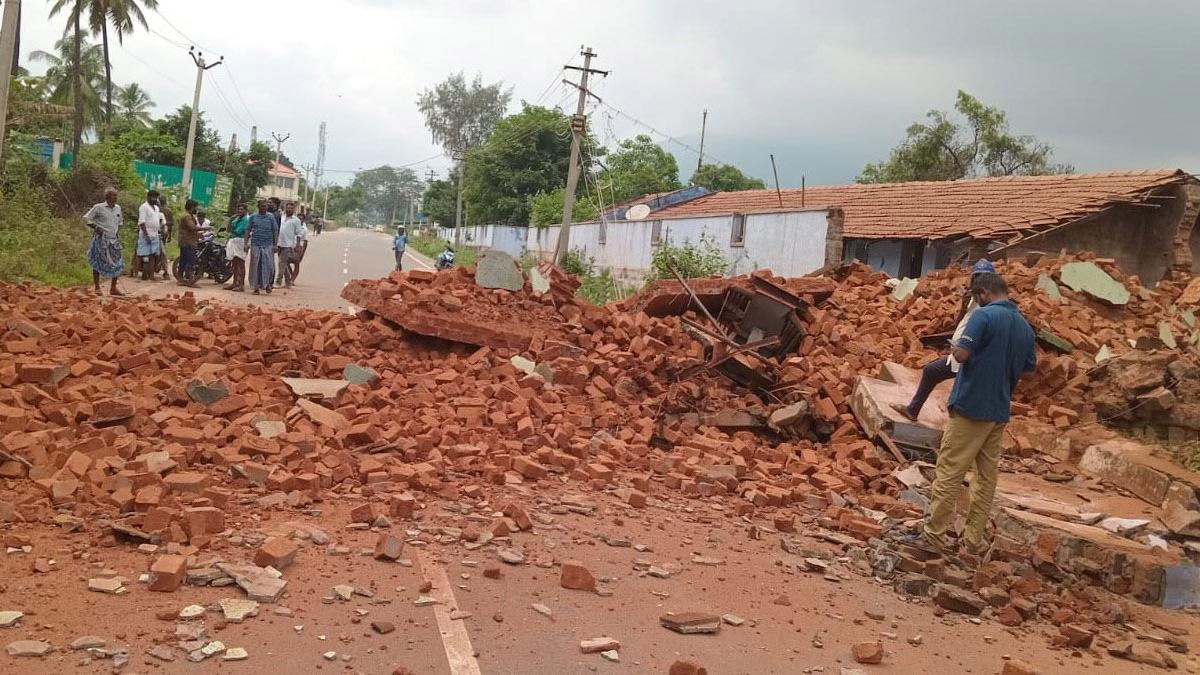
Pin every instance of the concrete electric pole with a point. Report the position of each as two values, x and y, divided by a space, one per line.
703 128
278 151
8 41
578 128
201 66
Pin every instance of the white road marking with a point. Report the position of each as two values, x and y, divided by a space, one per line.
455 639
418 261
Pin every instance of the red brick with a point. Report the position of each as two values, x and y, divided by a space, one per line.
204 520
388 547
277 552
168 572
577 577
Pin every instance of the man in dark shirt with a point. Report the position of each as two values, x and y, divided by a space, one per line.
995 350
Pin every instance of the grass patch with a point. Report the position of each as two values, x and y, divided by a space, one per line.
430 246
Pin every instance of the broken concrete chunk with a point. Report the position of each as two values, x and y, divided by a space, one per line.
688 623
207 394
304 387
1089 278
10 618
356 374
1047 286
538 281
497 269
28 648
904 288
599 644
237 610
958 600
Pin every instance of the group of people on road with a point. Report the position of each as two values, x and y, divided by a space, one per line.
269 244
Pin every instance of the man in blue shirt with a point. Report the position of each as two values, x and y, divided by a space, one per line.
262 233
996 348
399 244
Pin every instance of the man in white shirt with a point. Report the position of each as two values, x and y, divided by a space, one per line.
104 254
290 236
149 245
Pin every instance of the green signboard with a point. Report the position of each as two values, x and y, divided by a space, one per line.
221 194
158 176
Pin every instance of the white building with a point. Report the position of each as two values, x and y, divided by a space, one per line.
283 182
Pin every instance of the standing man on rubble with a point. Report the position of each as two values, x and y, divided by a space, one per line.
944 368
996 348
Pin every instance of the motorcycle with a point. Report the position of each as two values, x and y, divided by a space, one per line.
445 260
210 260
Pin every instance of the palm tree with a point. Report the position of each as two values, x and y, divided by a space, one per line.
134 104
74 11
122 14
82 91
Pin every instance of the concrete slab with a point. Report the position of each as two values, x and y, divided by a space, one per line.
1046 285
497 269
1089 278
872 400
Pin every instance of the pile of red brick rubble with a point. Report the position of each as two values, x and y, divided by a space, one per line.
154 418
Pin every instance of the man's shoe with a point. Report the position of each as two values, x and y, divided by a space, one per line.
918 540
903 410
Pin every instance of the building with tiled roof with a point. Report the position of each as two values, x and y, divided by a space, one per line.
1146 220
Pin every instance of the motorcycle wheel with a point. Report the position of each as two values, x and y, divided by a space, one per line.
175 270
220 272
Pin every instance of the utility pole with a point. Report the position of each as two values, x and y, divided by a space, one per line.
201 66
8 41
703 128
278 151
325 208
461 158
430 176
307 168
253 134
578 128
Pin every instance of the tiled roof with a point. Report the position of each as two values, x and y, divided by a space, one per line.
1001 208
281 169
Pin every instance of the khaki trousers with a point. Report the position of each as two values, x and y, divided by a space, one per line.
966 444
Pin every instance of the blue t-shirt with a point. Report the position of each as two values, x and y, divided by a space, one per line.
399 242
1001 346
263 229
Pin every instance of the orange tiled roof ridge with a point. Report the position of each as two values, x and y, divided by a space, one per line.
998 207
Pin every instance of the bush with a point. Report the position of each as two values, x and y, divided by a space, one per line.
578 263
701 259
33 244
114 161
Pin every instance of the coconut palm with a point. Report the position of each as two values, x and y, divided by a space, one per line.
75 82
74 9
134 104
122 14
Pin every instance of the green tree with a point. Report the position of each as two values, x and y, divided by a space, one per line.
942 148
438 202
247 171
75 81
725 178
546 208
461 116
387 191
122 14
639 167
134 104
150 145
526 155
344 200
207 154
72 61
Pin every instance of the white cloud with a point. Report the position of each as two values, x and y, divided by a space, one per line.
826 86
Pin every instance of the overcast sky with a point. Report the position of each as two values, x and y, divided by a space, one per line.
826 86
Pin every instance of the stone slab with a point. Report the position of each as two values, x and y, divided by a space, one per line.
1089 278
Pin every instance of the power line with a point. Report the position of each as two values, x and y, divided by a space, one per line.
668 137
238 90
183 35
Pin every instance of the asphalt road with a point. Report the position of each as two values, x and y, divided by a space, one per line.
332 260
